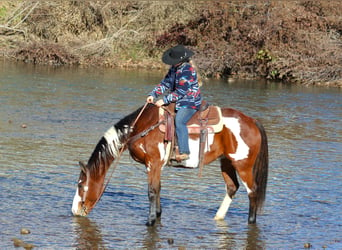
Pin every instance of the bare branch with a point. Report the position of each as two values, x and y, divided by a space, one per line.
12 29
30 11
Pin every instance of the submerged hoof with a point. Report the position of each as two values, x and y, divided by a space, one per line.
217 217
252 221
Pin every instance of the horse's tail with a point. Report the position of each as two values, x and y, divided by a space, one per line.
260 168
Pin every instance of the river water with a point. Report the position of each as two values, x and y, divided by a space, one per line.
50 118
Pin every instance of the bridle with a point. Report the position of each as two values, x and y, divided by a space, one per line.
85 191
128 140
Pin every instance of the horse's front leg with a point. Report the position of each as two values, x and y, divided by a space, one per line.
153 198
158 208
154 187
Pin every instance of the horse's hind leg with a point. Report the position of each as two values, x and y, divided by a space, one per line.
232 185
252 195
252 208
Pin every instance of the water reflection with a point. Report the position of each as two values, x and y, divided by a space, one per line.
253 240
67 110
152 238
249 240
88 235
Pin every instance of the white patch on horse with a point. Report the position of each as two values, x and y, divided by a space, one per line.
161 150
222 211
192 162
113 141
247 188
242 148
167 153
194 146
75 202
148 169
209 142
141 146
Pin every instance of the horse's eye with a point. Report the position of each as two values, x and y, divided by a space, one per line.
79 185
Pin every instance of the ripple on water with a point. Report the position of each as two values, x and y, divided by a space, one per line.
68 110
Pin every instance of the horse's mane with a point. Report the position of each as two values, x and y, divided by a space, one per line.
105 151
127 120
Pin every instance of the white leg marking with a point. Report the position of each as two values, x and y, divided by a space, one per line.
77 199
113 141
242 149
222 211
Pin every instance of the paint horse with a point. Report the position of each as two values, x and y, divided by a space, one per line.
240 145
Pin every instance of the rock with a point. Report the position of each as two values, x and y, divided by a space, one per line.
17 242
307 245
170 241
23 125
28 246
20 243
25 231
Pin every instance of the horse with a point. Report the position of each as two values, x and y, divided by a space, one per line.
241 147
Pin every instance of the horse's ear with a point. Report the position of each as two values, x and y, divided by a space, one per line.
83 166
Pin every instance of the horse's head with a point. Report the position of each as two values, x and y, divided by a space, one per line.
88 192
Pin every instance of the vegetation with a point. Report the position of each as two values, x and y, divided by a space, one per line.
294 41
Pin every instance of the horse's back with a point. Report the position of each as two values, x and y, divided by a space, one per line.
248 125
243 135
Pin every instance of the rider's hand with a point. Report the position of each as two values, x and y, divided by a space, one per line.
159 103
149 99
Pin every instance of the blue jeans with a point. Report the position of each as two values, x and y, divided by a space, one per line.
183 115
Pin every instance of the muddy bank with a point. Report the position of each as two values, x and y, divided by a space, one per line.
292 41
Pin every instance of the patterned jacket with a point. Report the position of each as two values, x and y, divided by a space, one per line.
180 86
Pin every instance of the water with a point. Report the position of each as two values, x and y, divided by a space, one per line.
53 117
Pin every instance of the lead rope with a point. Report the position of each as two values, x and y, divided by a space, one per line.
116 162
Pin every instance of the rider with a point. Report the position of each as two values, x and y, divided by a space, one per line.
181 86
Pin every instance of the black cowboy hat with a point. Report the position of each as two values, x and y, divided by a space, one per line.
176 55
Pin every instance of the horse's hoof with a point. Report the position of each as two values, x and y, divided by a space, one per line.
218 218
252 221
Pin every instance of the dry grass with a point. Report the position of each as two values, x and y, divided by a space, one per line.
286 40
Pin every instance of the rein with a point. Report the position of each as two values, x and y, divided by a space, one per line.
115 164
145 132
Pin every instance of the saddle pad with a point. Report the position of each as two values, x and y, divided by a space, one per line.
212 119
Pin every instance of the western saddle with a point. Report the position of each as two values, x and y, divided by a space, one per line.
207 120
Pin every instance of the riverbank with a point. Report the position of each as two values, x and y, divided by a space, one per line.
292 41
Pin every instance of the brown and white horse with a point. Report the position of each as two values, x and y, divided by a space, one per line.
241 147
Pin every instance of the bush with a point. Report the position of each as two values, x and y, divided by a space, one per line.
282 40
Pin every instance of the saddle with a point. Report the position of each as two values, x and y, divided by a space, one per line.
207 117
207 120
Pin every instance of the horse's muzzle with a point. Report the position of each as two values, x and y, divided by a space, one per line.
81 210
